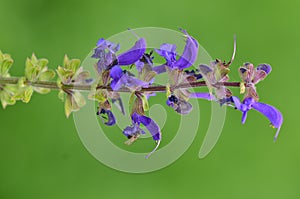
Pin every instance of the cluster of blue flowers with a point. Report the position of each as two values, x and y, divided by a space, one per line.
112 73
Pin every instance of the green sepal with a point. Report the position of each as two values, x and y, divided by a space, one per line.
7 95
47 75
72 64
36 69
61 95
131 99
145 102
98 95
42 90
68 106
168 90
5 64
73 103
21 82
24 94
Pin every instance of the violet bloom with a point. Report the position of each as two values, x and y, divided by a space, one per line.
268 111
121 78
168 51
146 60
107 117
106 53
134 131
133 54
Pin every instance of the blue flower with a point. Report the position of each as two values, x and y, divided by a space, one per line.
268 111
145 60
133 54
121 78
134 131
106 53
168 51
107 117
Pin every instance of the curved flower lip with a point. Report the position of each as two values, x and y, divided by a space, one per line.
151 126
188 57
270 112
134 54
189 54
111 120
168 51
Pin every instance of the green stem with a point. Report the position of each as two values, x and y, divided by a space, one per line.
53 85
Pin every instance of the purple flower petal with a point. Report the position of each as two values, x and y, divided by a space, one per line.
116 72
236 102
111 118
271 113
139 65
105 53
133 130
205 69
132 82
107 115
133 54
151 126
135 118
120 79
100 42
244 107
159 69
265 67
168 51
244 117
189 54
207 96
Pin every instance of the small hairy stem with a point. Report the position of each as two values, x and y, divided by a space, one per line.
53 85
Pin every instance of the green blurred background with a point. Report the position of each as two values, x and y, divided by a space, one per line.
43 157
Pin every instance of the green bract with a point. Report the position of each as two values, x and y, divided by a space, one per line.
5 63
71 74
35 70
7 92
